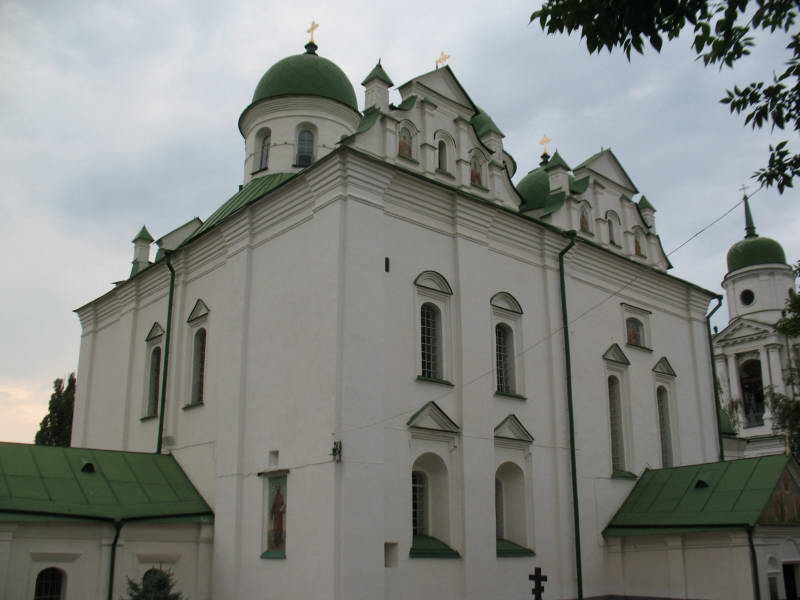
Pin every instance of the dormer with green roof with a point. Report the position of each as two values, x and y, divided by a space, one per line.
376 88
141 250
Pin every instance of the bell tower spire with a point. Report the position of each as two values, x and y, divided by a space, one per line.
749 227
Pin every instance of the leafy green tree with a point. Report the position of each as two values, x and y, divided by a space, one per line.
156 584
56 428
722 35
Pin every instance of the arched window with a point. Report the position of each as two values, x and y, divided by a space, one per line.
639 244
154 382
305 148
50 584
431 341
198 366
442 156
612 220
404 148
585 214
263 161
752 392
662 401
615 418
509 502
499 517
475 168
504 353
635 331
419 503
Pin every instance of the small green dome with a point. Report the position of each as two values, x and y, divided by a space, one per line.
483 124
534 189
755 251
306 75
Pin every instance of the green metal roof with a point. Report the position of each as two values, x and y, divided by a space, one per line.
644 204
114 485
306 75
699 497
379 74
482 123
255 189
143 235
556 161
425 546
406 104
368 120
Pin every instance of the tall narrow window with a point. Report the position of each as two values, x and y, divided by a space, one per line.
504 349
638 244
404 143
198 366
662 400
154 382
442 156
49 584
263 161
612 220
498 508
431 341
475 175
305 148
419 499
585 221
615 418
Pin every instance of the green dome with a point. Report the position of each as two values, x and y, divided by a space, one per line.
755 251
306 75
483 124
534 189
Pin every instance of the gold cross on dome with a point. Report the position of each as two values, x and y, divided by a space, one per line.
442 59
312 29
544 141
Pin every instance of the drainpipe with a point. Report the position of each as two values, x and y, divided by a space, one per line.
118 527
165 370
570 412
714 385
753 562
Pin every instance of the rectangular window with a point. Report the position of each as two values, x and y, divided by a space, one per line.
275 505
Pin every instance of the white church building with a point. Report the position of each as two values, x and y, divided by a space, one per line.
353 381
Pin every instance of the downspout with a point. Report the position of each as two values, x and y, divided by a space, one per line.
165 370
753 562
118 527
714 384
570 412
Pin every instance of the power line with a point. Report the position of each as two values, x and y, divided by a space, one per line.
555 331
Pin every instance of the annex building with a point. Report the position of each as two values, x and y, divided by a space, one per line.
382 370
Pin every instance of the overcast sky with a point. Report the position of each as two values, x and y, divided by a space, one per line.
118 114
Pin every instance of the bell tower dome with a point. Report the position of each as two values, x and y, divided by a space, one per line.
302 107
758 279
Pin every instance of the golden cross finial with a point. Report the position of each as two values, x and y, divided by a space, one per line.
442 59
314 26
544 141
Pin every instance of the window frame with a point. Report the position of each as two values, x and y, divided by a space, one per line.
276 477
149 408
46 594
303 128
433 288
619 371
477 158
614 229
263 157
585 210
643 316
198 382
670 436
507 311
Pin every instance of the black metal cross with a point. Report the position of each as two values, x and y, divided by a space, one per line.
538 579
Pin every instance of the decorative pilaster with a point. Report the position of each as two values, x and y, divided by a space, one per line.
776 368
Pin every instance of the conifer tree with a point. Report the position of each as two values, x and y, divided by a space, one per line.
156 584
56 428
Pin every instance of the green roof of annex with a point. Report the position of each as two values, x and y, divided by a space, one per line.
45 482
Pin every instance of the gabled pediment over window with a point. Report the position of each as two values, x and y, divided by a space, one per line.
664 368
742 330
615 354
605 164
443 82
511 428
433 418
156 331
199 311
